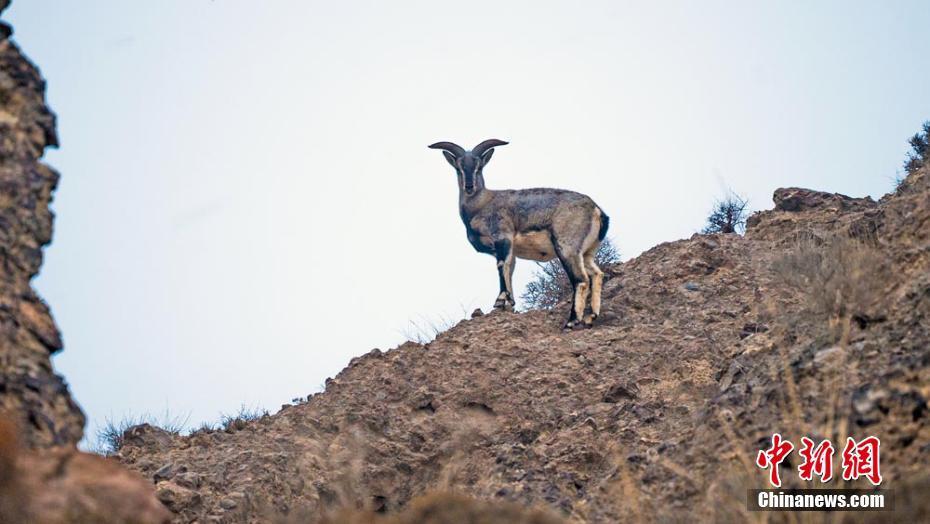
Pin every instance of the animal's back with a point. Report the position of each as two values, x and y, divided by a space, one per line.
537 207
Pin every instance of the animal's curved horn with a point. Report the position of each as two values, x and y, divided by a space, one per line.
455 149
487 144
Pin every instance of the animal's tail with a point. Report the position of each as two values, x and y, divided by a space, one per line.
605 223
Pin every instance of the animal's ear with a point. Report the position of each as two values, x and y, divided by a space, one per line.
486 157
450 151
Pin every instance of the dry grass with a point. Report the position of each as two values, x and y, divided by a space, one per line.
110 435
840 278
425 330
725 497
238 421
348 496
450 508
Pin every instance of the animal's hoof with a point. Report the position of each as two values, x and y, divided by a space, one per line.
503 305
571 325
589 320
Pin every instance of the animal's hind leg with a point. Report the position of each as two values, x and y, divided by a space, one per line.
505 262
597 282
574 268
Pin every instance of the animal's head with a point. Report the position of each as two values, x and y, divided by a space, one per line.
469 164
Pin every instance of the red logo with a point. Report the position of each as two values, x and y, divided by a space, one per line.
774 456
817 461
860 459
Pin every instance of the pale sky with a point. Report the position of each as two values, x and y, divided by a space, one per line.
247 200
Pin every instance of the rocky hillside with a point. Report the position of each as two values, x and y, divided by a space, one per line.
42 476
707 346
813 323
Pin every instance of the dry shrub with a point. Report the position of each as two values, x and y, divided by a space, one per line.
920 150
728 215
550 284
840 278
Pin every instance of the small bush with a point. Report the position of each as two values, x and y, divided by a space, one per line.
551 284
728 215
110 436
920 150
205 428
841 277
238 421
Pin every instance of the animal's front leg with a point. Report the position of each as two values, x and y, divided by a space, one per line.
503 250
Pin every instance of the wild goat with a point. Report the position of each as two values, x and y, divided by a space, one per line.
535 224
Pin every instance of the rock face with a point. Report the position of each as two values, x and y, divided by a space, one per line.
803 213
29 387
703 351
43 478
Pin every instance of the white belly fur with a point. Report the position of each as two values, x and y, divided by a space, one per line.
535 245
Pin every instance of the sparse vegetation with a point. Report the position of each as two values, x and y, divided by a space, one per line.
916 158
841 278
728 215
445 507
204 428
920 150
551 285
426 329
110 435
238 421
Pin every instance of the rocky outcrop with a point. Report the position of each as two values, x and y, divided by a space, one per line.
29 387
703 350
804 214
43 478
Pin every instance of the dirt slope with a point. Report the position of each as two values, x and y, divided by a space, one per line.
702 353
